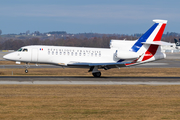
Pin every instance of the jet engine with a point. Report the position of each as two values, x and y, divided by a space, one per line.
126 54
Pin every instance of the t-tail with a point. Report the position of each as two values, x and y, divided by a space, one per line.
148 46
177 42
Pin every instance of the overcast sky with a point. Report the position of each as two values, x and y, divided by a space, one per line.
79 16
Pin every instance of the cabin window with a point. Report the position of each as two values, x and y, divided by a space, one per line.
52 52
64 53
71 53
56 52
49 52
91 54
84 53
76 54
80 54
68 53
60 53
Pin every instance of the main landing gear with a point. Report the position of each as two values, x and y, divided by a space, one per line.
97 74
95 71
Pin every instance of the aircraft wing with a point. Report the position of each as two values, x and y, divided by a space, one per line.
117 64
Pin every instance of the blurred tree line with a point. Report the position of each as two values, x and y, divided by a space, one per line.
102 42
81 41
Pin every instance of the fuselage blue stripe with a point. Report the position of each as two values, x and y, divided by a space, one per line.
143 38
121 60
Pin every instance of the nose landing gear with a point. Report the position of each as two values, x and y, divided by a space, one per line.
27 66
26 71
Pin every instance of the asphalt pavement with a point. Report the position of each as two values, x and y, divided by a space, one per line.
55 80
172 60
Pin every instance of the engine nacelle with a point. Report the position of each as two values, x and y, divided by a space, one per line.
126 55
160 56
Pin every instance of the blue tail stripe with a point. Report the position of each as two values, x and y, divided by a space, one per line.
143 38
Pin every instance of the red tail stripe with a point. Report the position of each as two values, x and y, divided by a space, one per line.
160 33
150 52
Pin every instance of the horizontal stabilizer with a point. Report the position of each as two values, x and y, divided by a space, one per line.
157 43
159 21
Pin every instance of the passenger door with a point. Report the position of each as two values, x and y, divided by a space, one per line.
34 56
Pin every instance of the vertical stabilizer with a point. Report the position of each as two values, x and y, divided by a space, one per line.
150 52
176 42
153 34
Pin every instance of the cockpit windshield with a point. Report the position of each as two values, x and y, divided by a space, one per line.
19 50
25 50
22 50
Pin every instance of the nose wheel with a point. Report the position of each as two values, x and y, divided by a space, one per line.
26 71
27 66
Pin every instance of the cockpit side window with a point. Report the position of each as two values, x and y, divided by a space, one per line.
19 50
25 50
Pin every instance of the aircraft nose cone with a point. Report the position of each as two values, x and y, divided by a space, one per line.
7 57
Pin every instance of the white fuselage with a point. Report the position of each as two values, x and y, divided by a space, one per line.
63 55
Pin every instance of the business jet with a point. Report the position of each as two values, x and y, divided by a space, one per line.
122 53
177 43
173 47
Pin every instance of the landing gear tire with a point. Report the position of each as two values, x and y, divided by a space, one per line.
97 74
26 71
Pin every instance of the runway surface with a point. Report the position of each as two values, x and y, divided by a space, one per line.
55 80
172 60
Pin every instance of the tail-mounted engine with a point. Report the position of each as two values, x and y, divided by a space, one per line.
126 54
